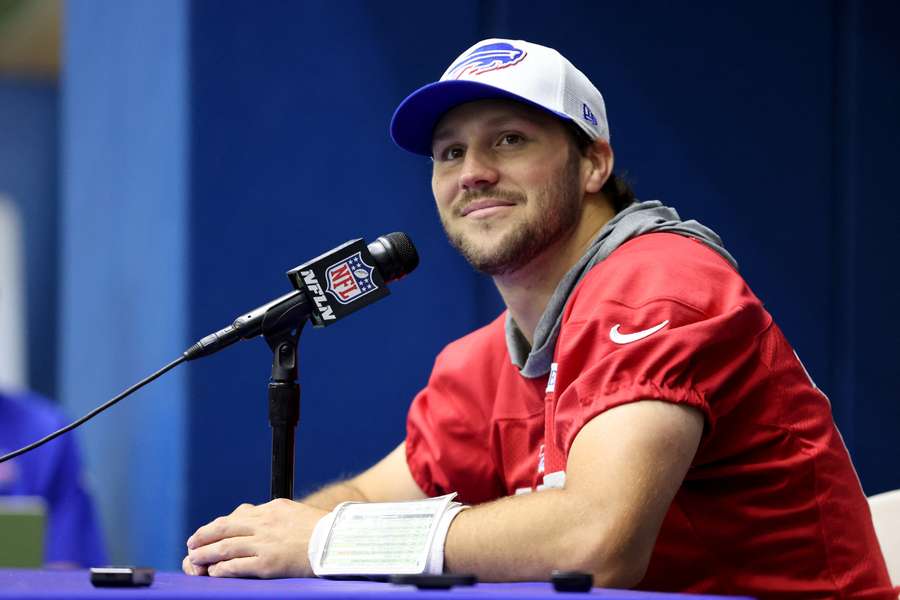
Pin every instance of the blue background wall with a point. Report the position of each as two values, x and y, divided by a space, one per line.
209 147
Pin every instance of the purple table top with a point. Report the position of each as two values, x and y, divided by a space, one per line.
27 583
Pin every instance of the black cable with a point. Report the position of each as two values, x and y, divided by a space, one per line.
94 412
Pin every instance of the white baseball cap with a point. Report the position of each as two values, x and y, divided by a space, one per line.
498 68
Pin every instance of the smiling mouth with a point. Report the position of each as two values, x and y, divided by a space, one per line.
485 207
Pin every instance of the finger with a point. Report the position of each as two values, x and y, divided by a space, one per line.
250 566
236 547
190 568
219 529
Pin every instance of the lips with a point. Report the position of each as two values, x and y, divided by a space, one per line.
484 203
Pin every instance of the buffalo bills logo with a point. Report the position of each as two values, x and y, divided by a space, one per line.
486 58
350 279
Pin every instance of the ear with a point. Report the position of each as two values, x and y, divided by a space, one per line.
600 156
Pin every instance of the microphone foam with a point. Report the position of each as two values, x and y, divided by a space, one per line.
398 256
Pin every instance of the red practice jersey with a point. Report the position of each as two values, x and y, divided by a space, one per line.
771 505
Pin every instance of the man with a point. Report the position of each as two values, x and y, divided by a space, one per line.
635 382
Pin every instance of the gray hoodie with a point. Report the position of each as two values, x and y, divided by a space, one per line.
637 219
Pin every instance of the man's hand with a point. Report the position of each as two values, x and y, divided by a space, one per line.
267 541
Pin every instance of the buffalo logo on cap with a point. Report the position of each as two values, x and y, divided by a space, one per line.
486 58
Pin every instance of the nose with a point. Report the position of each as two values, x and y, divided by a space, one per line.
477 172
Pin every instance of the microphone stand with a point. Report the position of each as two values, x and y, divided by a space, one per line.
284 410
282 322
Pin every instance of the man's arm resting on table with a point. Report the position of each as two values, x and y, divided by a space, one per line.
270 540
623 470
386 481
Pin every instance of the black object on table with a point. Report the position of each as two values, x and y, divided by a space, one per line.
121 576
571 581
444 581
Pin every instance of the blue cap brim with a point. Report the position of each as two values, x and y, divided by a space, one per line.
413 123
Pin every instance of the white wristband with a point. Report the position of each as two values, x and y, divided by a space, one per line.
436 556
383 538
317 539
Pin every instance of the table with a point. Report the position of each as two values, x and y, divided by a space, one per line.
39 583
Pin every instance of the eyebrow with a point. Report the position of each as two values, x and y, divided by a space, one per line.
448 132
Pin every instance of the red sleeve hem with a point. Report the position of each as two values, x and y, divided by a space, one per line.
415 467
611 397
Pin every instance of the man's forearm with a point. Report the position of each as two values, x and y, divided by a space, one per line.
526 537
622 473
331 495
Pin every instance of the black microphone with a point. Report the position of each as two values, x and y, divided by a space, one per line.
328 288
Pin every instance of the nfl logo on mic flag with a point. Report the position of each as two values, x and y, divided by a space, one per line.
350 279
339 282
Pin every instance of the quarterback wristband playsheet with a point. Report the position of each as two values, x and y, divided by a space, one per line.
383 538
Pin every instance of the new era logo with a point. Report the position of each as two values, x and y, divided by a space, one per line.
588 114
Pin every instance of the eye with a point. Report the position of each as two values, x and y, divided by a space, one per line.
449 153
510 139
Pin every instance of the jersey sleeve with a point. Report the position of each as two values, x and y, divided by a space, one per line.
664 318
448 430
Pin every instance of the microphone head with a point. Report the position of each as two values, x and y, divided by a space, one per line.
395 254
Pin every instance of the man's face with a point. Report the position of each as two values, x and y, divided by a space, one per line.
507 183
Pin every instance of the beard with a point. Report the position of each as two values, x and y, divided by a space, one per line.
558 209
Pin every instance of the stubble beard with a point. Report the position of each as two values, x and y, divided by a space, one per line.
558 207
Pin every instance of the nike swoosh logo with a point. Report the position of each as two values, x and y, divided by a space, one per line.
627 338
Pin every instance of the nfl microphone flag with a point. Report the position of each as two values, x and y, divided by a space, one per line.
339 282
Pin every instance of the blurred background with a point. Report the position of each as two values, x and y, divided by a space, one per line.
164 162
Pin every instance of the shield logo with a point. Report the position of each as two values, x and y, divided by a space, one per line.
350 279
